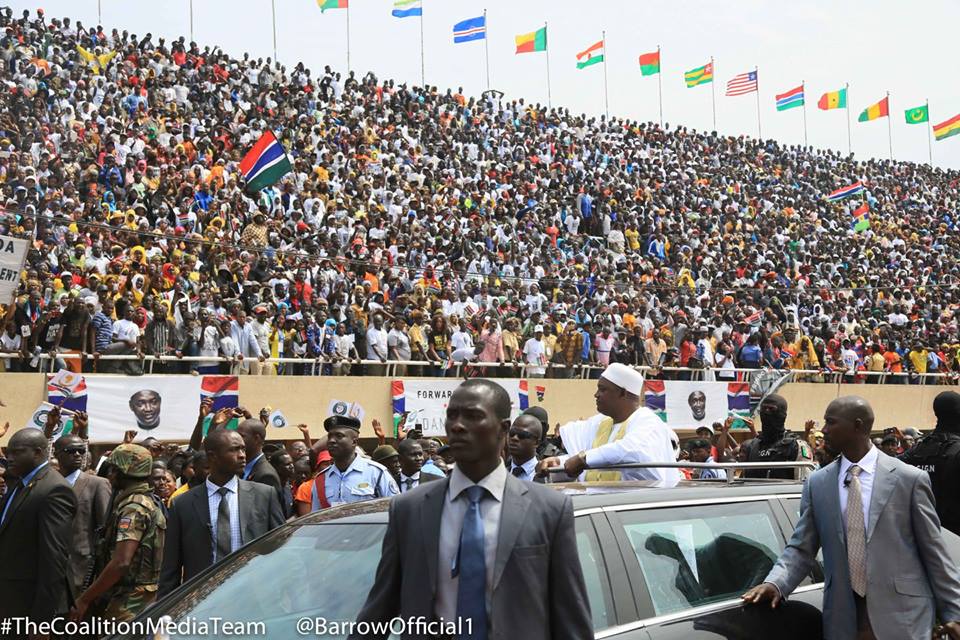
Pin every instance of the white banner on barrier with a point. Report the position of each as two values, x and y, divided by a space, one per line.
162 406
13 252
425 401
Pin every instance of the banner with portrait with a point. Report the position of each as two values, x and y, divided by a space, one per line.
423 401
162 406
688 405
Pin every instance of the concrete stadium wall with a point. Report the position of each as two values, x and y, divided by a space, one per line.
305 399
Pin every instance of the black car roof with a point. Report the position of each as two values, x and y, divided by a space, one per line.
589 495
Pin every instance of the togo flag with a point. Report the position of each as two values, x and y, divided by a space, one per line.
265 163
39 420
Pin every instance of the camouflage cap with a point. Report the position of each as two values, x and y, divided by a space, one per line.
132 460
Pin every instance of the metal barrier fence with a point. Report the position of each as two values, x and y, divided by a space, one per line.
398 368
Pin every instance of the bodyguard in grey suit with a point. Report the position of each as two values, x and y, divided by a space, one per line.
888 572
481 546
93 502
217 517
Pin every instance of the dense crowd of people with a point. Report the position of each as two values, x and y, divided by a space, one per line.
420 224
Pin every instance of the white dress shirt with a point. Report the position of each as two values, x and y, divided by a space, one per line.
213 501
403 482
451 524
529 467
868 464
72 478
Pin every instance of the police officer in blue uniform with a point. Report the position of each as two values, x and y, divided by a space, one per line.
351 477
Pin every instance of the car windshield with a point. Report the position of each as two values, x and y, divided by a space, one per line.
322 570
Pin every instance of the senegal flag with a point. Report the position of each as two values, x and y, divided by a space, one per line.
917 115
874 111
833 100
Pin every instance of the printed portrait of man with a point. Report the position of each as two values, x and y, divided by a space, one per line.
698 405
145 405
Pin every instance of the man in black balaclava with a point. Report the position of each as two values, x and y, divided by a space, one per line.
775 443
548 446
939 455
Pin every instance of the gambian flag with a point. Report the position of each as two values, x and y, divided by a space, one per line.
874 111
790 99
861 218
332 4
946 129
738 398
590 56
541 392
265 163
225 391
846 192
399 401
754 319
533 41
524 396
833 100
650 63
67 390
655 397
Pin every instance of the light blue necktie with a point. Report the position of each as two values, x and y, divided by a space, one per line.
472 590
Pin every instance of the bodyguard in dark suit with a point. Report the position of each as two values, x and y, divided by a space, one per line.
258 468
93 503
36 517
411 461
216 518
525 434
495 552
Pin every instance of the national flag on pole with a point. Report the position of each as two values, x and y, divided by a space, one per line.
874 111
265 163
833 100
533 41
917 114
845 192
470 30
523 395
407 8
861 218
650 63
742 84
332 4
946 129
698 76
790 99
590 56
655 397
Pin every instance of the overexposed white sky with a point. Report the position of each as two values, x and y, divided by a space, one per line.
876 46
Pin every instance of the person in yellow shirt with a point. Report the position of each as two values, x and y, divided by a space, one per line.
918 361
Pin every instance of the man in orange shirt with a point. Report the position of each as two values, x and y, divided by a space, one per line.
894 364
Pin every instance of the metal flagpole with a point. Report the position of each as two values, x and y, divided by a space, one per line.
348 40
929 134
659 87
547 54
756 72
423 73
713 91
606 95
486 46
99 14
803 87
889 126
273 8
191 20
849 145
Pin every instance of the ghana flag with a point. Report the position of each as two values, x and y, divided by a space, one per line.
650 63
533 41
700 75
946 129
874 111
833 100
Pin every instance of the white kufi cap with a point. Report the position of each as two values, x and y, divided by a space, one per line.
624 377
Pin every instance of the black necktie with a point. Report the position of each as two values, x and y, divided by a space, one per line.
224 542
518 472
409 483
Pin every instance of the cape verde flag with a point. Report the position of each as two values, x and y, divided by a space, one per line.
524 396
265 163
738 398
655 397
469 30
225 391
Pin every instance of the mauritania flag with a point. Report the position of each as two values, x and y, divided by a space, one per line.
469 30
265 163
845 192
700 75
591 55
407 8
917 114
655 397
790 99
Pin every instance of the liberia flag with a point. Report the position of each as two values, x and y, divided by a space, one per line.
655 398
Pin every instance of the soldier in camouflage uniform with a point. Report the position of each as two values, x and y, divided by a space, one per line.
132 545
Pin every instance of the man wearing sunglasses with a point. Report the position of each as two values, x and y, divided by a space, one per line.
524 436
93 503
